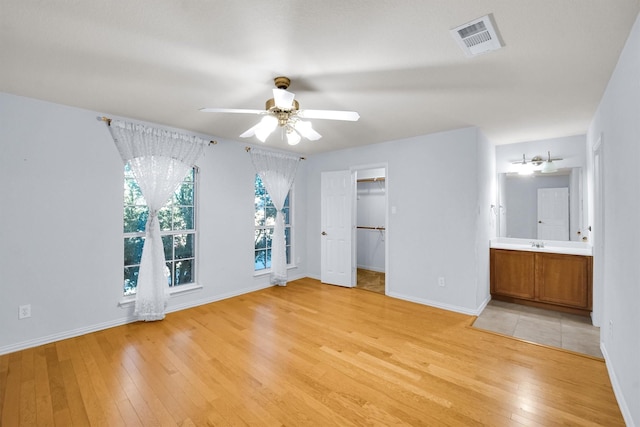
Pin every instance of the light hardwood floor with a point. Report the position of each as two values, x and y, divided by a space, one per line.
305 354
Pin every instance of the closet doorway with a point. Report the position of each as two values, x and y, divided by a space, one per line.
371 228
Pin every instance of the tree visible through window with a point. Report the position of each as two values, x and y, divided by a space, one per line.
265 217
177 225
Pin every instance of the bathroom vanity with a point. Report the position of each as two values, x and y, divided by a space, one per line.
552 275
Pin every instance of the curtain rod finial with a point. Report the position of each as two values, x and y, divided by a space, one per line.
105 119
247 149
213 142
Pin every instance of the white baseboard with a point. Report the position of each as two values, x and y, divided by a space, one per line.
123 320
372 268
22 345
220 297
483 305
617 390
438 304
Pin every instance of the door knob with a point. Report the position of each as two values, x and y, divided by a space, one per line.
324 233
539 222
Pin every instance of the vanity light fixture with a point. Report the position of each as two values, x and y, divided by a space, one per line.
528 167
549 166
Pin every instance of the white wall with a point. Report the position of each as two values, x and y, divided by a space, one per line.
433 186
617 120
61 224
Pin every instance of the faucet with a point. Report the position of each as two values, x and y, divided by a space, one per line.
537 244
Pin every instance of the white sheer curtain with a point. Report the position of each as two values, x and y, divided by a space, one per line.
277 171
159 160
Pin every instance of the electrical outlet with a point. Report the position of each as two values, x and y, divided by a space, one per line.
24 311
441 282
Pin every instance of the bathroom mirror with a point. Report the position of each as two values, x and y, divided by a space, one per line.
541 206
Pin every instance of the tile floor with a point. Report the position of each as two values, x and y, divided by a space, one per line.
552 328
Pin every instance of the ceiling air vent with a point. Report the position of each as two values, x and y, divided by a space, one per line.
478 36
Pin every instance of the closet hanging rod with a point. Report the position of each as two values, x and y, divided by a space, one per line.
370 228
377 179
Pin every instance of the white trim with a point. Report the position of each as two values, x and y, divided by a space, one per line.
216 298
617 390
436 304
380 165
123 320
371 268
63 335
174 290
483 305
266 271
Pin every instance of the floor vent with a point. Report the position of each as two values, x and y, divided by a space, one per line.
478 36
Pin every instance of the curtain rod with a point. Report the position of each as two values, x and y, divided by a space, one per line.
247 149
107 120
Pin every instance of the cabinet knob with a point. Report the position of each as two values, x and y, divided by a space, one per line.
324 233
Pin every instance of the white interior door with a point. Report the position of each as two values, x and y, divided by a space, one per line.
337 228
553 213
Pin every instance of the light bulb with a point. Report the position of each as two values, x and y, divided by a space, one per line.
293 137
525 168
265 127
305 129
549 166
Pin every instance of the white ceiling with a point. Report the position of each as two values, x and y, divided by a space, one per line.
393 61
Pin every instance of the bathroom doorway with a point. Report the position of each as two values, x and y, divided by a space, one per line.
371 228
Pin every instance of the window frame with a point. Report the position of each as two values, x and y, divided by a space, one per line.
290 226
173 289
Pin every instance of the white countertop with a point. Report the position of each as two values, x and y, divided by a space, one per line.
550 246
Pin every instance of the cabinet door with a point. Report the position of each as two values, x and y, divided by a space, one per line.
563 279
512 273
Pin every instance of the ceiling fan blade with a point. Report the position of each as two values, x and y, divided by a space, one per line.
351 116
305 129
283 99
250 132
231 110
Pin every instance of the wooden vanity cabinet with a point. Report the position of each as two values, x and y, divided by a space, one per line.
512 273
555 281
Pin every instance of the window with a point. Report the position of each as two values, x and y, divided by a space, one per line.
177 227
265 218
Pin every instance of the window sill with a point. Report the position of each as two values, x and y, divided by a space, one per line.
266 272
131 299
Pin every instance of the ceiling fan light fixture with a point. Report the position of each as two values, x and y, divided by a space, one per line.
283 110
283 99
305 129
265 127
293 137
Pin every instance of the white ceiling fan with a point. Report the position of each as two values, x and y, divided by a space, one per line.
284 111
